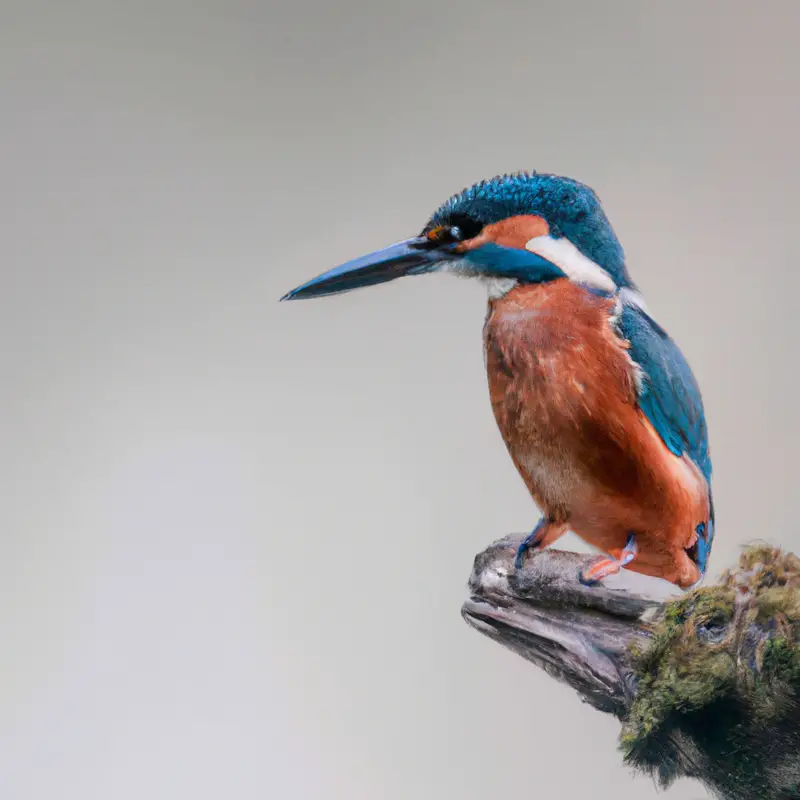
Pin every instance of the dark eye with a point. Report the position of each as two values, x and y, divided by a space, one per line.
464 227
451 233
457 228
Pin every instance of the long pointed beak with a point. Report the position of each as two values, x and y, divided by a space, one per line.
410 257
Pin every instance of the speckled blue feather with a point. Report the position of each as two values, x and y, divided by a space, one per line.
569 207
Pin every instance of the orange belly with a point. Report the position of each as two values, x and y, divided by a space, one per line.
564 393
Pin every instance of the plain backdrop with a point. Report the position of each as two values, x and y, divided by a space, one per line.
235 533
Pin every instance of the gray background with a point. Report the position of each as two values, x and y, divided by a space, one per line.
236 534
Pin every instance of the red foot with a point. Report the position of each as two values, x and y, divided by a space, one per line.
604 567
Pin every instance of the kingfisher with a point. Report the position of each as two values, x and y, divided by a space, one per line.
598 407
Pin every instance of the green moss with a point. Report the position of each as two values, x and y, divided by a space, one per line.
734 645
778 601
781 660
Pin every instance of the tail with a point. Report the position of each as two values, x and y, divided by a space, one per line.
706 539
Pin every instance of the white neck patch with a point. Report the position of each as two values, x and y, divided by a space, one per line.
574 264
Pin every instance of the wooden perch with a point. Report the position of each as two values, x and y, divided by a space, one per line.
704 683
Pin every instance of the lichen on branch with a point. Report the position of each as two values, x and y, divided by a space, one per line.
721 673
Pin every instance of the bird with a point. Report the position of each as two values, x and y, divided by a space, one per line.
598 407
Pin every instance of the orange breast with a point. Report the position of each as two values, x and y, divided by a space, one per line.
564 392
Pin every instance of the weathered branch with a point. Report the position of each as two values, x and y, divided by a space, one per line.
587 637
575 633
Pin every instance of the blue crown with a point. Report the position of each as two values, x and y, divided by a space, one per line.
570 208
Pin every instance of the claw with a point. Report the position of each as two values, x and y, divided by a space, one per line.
606 566
530 541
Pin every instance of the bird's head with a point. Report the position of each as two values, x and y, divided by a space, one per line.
520 228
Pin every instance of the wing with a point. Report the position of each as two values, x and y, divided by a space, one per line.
670 398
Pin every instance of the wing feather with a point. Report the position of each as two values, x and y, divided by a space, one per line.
670 398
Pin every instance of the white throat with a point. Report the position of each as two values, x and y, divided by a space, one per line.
498 287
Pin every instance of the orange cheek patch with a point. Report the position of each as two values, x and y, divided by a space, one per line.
512 232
